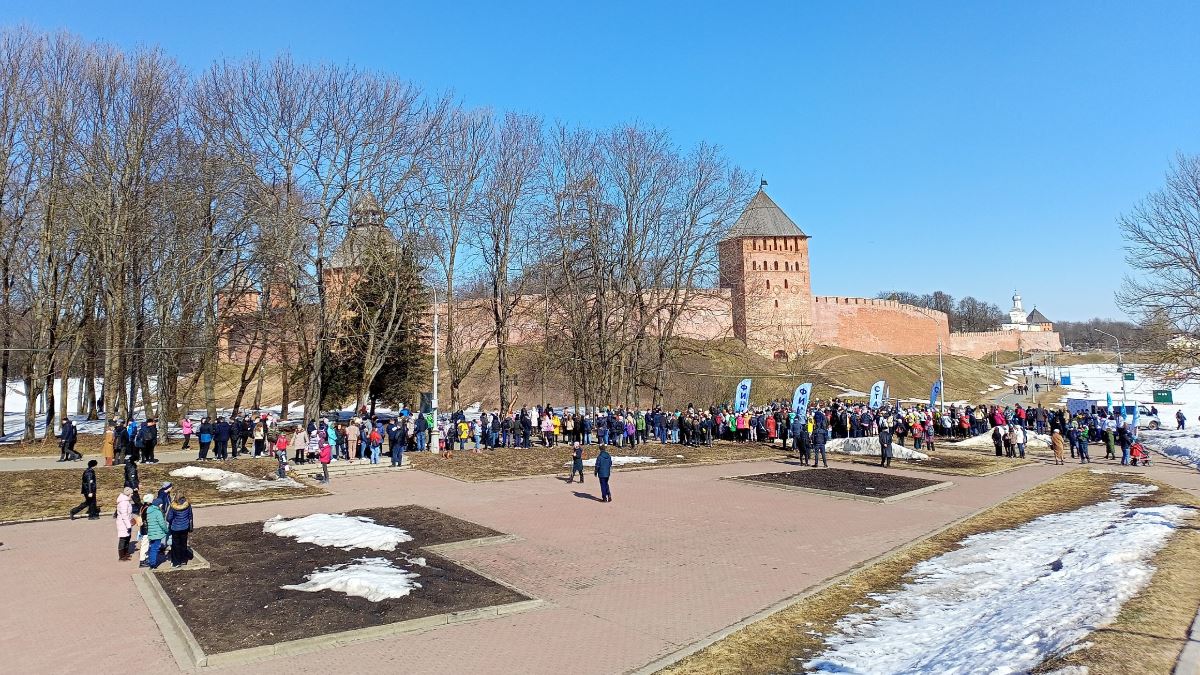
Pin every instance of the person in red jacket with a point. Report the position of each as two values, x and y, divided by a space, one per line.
325 456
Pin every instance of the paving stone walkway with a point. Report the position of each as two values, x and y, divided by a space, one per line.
678 556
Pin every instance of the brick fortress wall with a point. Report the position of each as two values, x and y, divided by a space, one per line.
886 326
980 344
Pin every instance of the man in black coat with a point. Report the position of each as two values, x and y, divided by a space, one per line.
88 489
149 436
131 478
66 445
221 437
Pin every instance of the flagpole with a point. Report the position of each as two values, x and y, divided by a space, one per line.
941 377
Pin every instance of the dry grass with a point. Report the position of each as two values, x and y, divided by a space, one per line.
47 493
773 644
537 461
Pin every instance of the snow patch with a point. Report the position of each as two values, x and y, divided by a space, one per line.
1180 445
229 481
338 530
1006 600
618 461
869 446
372 578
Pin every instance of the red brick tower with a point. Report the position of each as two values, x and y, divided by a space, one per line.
764 263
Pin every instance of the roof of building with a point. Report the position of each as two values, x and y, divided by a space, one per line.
763 218
1037 317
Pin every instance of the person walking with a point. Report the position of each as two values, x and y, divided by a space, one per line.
88 489
576 462
885 446
1180 419
66 444
124 522
603 472
179 523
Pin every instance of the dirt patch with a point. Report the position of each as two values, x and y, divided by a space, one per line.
46 493
775 643
238 602
538 461
861 483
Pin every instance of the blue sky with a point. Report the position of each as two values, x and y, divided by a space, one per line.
968 146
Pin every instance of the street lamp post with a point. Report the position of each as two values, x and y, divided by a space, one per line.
1120 367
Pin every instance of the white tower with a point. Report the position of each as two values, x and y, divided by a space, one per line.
1016 315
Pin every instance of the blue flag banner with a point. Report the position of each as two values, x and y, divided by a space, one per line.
1135 421
877 391
741 397
934 393
1109 408
800 398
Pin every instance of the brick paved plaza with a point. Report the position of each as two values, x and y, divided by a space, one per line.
678 556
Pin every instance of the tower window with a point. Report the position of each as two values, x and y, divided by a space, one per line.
776 265
768 284
754 264
785 283
776 303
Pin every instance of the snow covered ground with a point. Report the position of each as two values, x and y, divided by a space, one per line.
372 578
338 530
1097 380
230 481
1181 445
1005 601
618 461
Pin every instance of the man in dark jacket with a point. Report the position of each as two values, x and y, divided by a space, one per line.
149 436
66 445
88 489
131 478
221 436
603 471
885 446
820 435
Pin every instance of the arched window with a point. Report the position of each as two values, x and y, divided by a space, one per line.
754 264
768 284
776 303
785 283
776 265
780 355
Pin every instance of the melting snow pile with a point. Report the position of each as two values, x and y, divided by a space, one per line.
618 461
1007 600
372 578
869 445
229 481
338 530
1181 445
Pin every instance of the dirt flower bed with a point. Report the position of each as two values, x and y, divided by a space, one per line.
860 483
1146 636
47 493
539 461
238 602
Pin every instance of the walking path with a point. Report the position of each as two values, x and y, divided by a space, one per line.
678 556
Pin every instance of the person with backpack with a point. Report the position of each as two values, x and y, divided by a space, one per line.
376 441
156 531
149 436
396 443
131 479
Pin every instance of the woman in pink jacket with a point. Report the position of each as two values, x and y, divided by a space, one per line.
185 426
124 522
